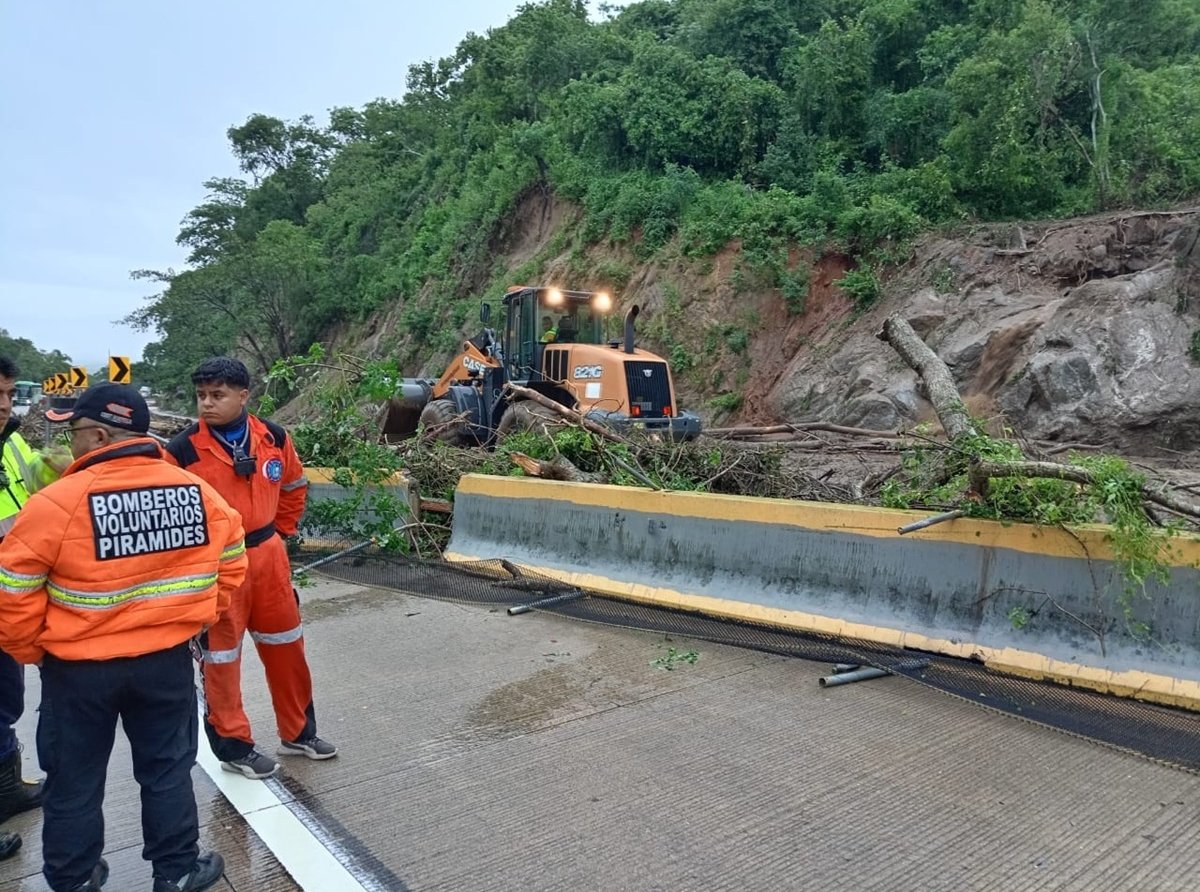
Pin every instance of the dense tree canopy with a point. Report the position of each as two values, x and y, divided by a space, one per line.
33 364
856 122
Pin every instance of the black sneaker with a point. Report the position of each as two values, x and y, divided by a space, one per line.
311 747
9 843
97 880
254 765
209 868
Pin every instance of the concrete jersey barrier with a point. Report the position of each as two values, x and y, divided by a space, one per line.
844 570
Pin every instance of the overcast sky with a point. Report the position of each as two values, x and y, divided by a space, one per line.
114 114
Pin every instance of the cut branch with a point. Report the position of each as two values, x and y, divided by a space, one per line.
557 469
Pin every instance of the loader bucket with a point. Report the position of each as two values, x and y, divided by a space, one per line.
400 418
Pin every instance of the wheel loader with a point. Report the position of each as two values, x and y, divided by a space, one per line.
554 342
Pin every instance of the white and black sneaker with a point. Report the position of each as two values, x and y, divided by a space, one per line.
310 747
254 765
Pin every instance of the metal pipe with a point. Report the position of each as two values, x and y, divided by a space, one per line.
630 315
545 602
333 557
848 673
862 673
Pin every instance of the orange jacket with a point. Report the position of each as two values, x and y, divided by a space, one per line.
124 555
273 493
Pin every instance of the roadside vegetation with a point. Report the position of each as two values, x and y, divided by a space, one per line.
676 127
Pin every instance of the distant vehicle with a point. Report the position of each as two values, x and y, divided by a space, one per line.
145 392
28 393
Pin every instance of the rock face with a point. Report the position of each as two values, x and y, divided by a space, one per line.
1085 333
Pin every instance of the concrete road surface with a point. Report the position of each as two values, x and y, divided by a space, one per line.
486 752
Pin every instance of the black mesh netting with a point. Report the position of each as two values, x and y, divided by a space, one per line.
1171 736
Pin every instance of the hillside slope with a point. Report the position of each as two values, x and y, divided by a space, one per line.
1081 330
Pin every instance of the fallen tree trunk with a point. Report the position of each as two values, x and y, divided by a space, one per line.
825 426
942 393
981 471
569 414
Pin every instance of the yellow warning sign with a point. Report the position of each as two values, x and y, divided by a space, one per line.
79 376
120 371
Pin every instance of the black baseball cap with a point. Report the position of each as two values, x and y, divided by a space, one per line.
117 405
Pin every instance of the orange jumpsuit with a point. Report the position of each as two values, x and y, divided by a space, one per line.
271 500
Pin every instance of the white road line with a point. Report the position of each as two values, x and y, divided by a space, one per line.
302 854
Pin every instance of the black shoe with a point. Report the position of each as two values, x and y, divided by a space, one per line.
97 880
310 747
209 868
254 765
9 843
16 795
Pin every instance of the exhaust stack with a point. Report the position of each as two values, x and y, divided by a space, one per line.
630 315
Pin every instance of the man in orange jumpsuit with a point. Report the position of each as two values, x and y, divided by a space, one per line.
105 578
254 465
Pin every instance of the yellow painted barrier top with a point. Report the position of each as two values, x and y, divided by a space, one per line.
863 520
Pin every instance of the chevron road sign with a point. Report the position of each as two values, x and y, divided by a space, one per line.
120 370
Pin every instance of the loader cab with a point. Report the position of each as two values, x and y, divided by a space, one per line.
577 317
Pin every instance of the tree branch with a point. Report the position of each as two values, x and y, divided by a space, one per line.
982 470
943 394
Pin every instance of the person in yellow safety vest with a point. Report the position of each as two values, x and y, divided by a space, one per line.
549 332
22 471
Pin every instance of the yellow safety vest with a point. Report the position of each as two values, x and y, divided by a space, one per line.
24 472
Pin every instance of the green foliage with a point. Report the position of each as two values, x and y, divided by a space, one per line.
726 402
32 364
681 359
1114 496
862 285
342 439
676 126
1019 617
673 658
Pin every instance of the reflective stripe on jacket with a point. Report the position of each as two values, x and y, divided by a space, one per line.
125 555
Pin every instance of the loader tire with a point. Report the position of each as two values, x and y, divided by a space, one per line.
440 421
527 416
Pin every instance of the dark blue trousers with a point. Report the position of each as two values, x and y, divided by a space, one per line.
12 702
155 697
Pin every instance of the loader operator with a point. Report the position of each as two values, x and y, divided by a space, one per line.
254 465
549 332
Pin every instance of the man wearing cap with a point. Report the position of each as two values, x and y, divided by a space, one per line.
105 578
22 471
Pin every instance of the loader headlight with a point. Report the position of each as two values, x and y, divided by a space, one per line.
602 302
554 297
